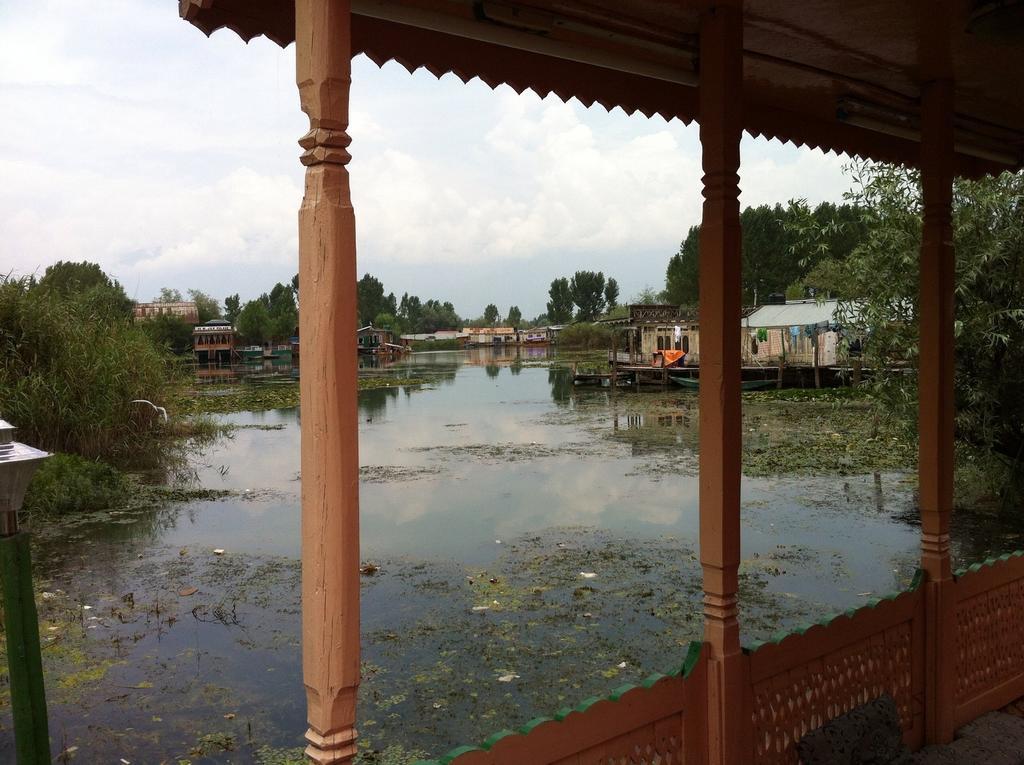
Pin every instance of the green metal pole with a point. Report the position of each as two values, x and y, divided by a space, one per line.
24 658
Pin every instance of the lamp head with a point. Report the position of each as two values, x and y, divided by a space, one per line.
18 462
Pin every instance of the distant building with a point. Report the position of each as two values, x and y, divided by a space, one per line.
186 311
793 330
491 335
214 342
534 336
373 339
441 335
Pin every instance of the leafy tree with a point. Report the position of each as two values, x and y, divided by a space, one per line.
68 278
587 289
295 286
410 312
207 307
559 305
371 300
877 284
769 241
648 296
386 320
232 305
611 293
435 315
283 312
682 286
491 314
515 317
253 322
171 332
88 281
168 295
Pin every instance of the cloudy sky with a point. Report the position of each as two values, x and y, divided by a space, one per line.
130 139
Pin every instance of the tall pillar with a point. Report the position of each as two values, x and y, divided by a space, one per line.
935 382
328 385
720 97
935 367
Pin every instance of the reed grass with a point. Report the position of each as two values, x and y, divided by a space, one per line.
70 367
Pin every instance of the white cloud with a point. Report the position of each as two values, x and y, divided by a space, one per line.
170 159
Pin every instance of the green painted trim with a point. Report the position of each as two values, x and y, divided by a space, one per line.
494 738
450 756
975 567
777 637
692 657
534 723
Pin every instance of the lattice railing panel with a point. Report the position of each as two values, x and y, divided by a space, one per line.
989 626
806 679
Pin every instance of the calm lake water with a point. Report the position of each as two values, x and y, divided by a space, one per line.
485 497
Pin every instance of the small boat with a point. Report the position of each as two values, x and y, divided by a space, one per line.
694 383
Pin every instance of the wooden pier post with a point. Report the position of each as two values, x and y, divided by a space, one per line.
816 339
327 319
615 360
935 376
720 99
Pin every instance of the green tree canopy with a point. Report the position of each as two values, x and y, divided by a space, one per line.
253 322
171 332
587 290
87 281
877 284
491 314
168 295
559 307
647 296
232 305
283 313
207 307
769 242
611 293
371 300
515 317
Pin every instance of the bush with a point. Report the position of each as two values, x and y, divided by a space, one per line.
585 337
66 483
70 368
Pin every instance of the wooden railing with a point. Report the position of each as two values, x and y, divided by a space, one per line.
806 678
989 636
795 683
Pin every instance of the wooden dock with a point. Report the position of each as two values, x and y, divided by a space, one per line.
643 376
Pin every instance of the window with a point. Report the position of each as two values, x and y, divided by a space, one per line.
661 342
686 344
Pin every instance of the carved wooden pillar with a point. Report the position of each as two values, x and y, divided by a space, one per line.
935 426
721 82
935 375
327 324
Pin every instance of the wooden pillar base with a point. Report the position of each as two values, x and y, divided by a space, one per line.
336 749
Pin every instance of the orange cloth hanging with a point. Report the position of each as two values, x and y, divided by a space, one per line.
669 358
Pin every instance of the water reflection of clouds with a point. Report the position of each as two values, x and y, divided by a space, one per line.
484 494
254 459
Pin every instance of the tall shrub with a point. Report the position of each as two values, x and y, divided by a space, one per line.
70 367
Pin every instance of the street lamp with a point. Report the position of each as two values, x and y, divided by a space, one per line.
24 662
